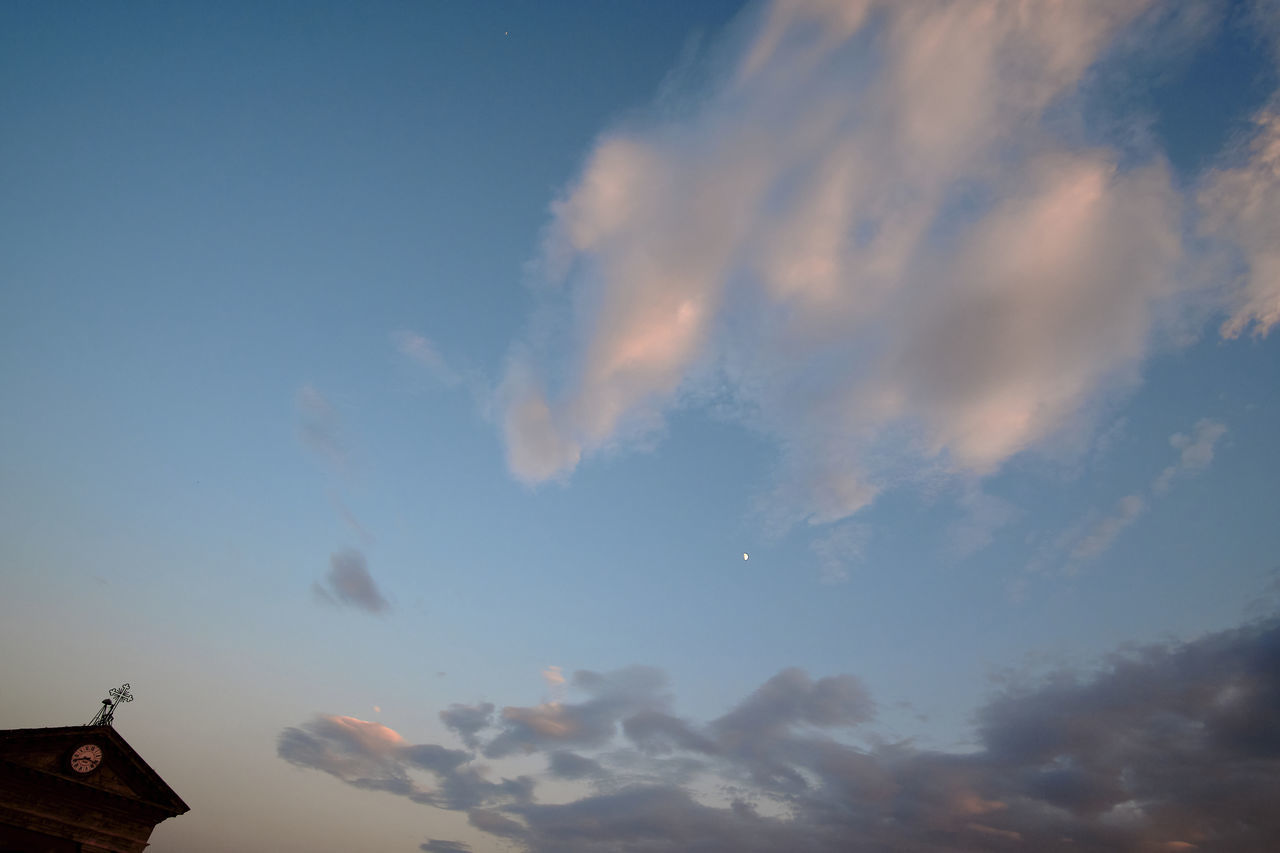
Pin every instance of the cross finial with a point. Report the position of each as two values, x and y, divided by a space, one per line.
107 712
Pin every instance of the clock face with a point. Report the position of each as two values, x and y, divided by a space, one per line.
86 758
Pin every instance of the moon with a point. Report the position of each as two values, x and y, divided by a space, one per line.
746 556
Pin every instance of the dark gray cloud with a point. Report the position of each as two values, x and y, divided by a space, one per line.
371 756
361 753
349 582
468 788
1174 747
439 845
437 759
658 733
791 697
468 720
593 723
569 765
649 819
495 823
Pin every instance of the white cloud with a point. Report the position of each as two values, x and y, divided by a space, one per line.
1242 205
889 264
872 239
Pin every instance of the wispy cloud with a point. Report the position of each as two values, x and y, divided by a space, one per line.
1197 453
838 549
867 234
1095 533
423 353
349 582
982 516
1099 536
1242 206
320 429
1171 747
349 517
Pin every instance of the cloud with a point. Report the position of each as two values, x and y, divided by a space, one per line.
982 515
563 764
437 845
1197 452
349 582
1241 205
553 676
345 513
322 432
1168 747
359 752
422 352
1095 533
838 548
373 757
537 448
592 723
791 697
495 823
321 429
1098 536
467 721
874 238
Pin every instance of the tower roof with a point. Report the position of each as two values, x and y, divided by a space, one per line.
39 751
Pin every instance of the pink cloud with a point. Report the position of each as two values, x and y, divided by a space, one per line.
797 244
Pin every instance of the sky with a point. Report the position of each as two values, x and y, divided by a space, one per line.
813 425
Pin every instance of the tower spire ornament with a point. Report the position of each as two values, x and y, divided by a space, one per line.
107 712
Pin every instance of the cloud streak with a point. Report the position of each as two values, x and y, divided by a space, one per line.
422 352
1169 747
320 429
1099 536
1095 533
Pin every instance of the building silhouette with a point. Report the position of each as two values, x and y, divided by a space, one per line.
79 789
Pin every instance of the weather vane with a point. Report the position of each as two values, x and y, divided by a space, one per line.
107 712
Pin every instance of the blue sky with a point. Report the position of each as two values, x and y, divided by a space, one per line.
360 362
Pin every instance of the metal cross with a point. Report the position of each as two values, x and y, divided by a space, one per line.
121 693
107 712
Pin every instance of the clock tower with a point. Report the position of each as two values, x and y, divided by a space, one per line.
79 789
